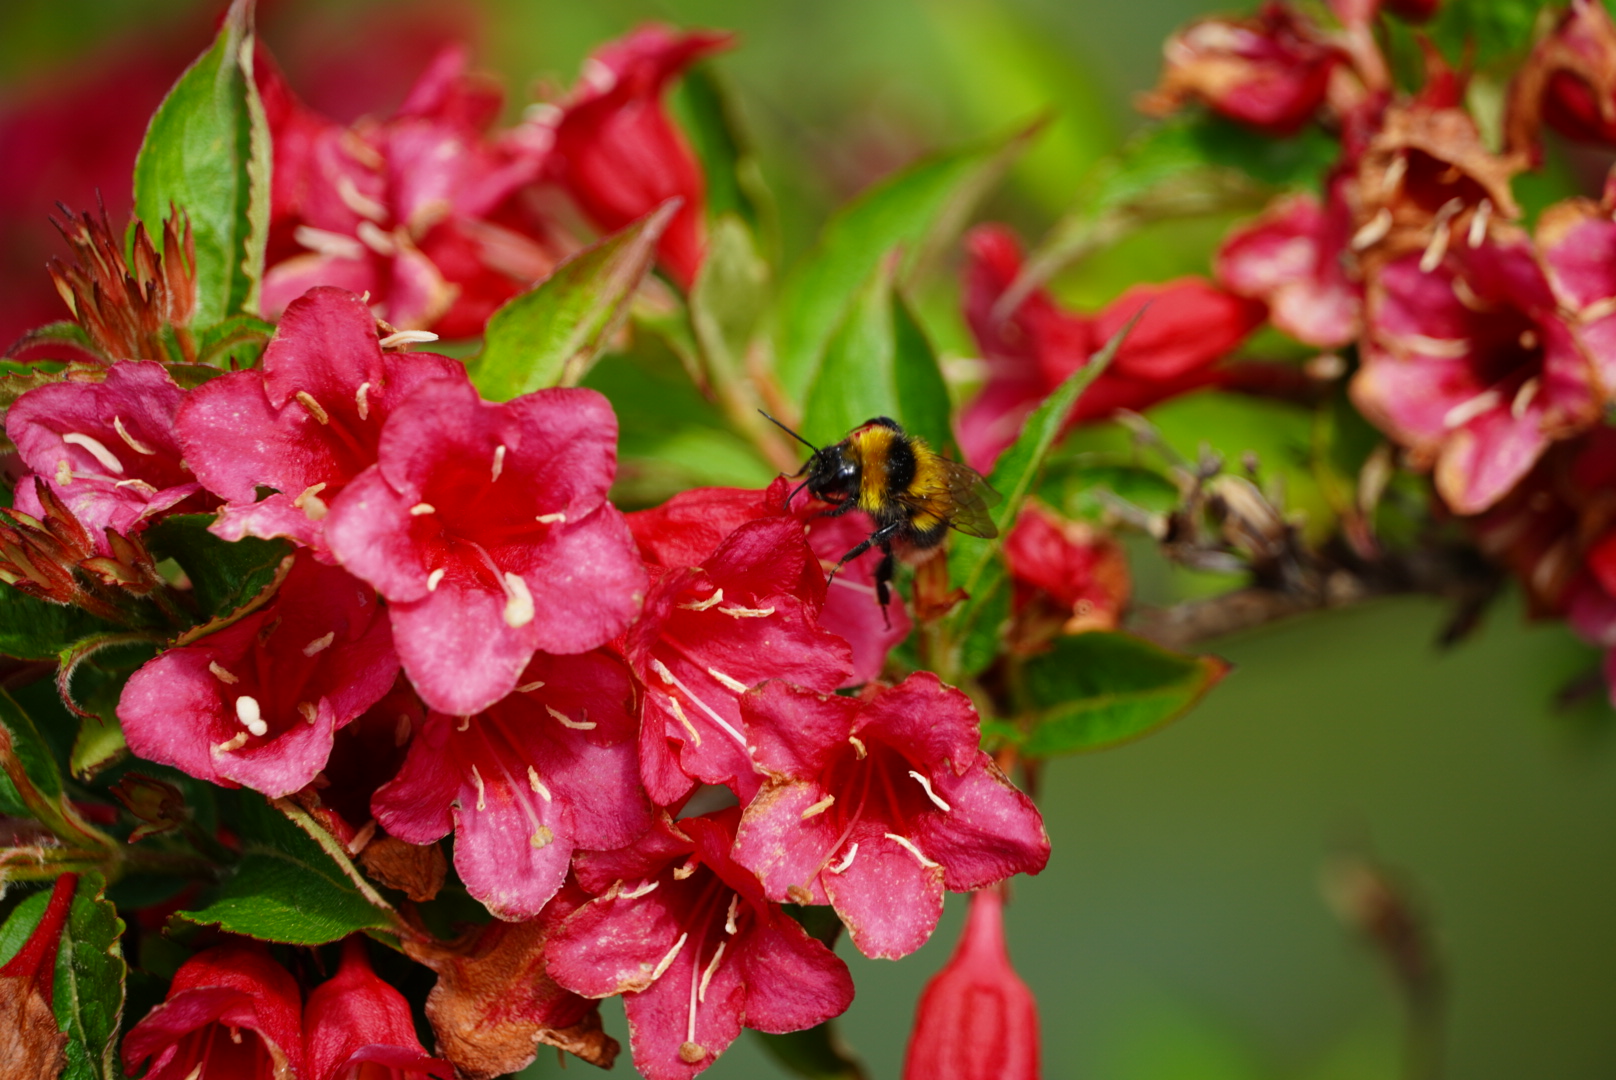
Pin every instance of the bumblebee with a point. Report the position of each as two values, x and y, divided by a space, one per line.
914 494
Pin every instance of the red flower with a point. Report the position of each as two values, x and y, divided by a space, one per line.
977 1020
618 153
107 448
1291 258
258 702
1270 71
357 1025
710 632
687 937
305 422
416 210
487 529
1068 577
549 768
875 805
232 1013
1189 327
27 981
1569 82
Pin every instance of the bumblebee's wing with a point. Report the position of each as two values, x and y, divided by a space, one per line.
972 498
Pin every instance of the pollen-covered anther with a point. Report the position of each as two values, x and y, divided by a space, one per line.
434 578
1373 231
747 612
402 730
692 1052
464 724
702 605
541 836
730 927
220 673
1394 174
537 785
235 742
847 860
799 895
407 337
482 791
707 977
251 717
307 710
909 846
819 807
133 443
557 518
1478 223
685 870
1438 247
361 839
1466 411
312 407
421 509
358 201
97 449
528 688
1523 397
642 889
64 472
376 239
732 683
679 714
313 507
567 721
320 644
668 958
332 245
362 400
499 463
1528 339
662 671
858 747
519 609
925 782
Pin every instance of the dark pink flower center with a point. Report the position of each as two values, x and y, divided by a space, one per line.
869 783
218 1050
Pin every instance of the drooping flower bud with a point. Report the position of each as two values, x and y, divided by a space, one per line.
357 1026
1068 576
976 1020
30 1041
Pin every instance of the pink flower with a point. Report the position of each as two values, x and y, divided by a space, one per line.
1189 327
618 153
547 769
687 937
1270 71
1290 258
487 529
356 1025
305 422
710 632
107 448
257 703
1567 82
876 804
976 1020
1472 362
1067 576
416 210
231 1013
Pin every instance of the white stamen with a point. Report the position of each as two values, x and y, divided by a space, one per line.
858 746
537 785
1466 411
434 578
464 725
362 400
235 743
308 711
734 684
528 688
673 680
1394 174
401 732
1467 296
1478 223
64 472
221 674
482 791
542 113
251 717
376 239
1528 339
662 671
818 808
667 961
541 837
847 860
235 1035
567 721
362 838
1373 232
558 517
1436 250
314 408
332 245
682 872
407 337
97 449
1523 397
358 201
703 605
1438 348
319 644
747 612
519 608
134 444
1599 309
639 890
707 976
729 916
136 485
421 509
196 1072
499 462
679 713
310 502
922 780
909 846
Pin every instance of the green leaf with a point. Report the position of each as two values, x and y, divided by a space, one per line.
1477 32
1085 485
35 629
235 343
225 575
88 990
704 104
65 332
90 679
975 564
728 298
549 335
31 781
289 886
207 153
920 210
1099 689
878 363
818 1053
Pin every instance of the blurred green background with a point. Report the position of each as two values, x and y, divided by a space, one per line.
1179 933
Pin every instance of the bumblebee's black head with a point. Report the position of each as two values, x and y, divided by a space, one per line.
833 473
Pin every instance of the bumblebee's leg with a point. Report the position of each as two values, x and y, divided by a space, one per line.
882 536
883 575
841 508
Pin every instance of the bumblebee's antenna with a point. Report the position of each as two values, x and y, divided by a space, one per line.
788 431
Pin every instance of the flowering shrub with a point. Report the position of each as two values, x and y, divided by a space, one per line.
317 598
